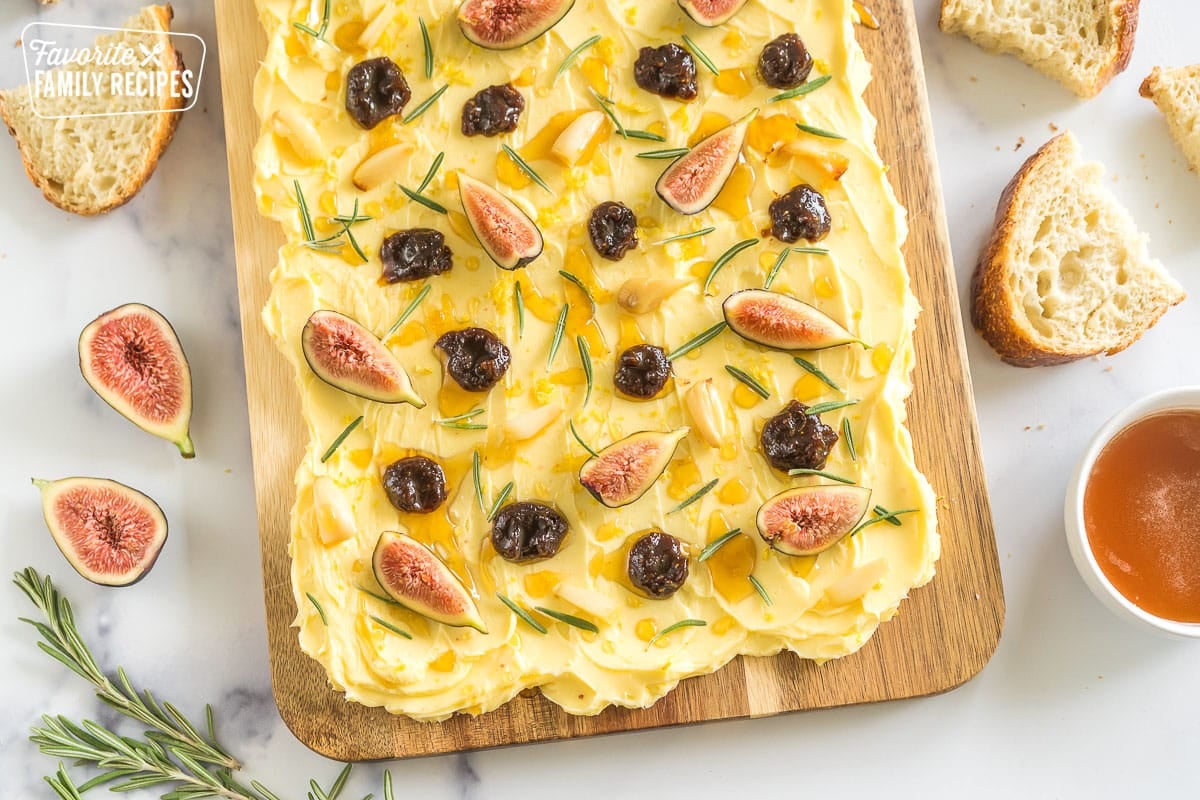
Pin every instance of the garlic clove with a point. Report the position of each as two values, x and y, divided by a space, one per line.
643 295
707 412
335 521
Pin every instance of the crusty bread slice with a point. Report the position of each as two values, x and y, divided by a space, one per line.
1176 92
1066 273
1082 44
92 164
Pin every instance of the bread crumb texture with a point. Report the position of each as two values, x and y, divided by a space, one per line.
1176 92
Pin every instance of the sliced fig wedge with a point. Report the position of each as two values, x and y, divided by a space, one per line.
413 576
111 534
811 519
349 357
132 358
626 469
693 181
778 320
711 13
508 235
507 24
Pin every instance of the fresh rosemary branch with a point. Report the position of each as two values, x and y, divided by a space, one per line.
525 616
523 165
680 237
574 54
717 544
699 339
700 55
802 89
703 490
725 258
815 371
424 105
408 312
316 33
341 437
749 381
559 328
683 623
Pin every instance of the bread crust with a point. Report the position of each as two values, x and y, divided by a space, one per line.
164 132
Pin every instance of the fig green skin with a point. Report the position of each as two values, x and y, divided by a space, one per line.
50 491
854 500
591 474
717 12
822 332
718 174
473 23
402 393
434 570
483 227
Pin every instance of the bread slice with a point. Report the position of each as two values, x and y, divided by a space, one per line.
92 164
1066 273
1082 44
1176 92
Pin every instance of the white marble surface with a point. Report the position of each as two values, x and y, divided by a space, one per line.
1074 703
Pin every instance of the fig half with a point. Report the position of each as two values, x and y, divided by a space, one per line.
693 181
132 358
711 13
777 320
626 469
111 534
811 519
507 24
507 234
414 577
349 357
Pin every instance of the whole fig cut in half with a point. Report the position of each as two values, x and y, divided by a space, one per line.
507 24
111 534
133 359
782 322
507 234
811 519
711 13
694 180
626 469
349 357
412 575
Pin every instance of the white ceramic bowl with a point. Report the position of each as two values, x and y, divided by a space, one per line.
1184 397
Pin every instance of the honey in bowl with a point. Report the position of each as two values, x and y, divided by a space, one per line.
1141 513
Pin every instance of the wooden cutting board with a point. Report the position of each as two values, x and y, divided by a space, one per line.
945 632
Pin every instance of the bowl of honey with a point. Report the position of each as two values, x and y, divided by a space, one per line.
1133 513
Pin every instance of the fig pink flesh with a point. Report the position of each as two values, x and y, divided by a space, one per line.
500 22
412 573
715 9
811 521
107 531
339 345
770 321
505 231
623 471
690 178
132 357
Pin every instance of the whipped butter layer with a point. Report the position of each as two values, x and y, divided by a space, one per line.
820 607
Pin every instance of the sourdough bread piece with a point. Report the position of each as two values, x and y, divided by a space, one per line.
92 164
1066 273
1082 44
1176 92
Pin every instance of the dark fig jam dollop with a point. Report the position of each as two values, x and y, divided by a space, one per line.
415 484
668 70
528 531
474 357
612 227
795 439
658 564
414 254
376 90
493 111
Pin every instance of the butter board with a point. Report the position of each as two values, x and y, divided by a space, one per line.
944 633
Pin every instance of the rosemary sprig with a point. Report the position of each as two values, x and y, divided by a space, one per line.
306 224
341 437
890 517
523 165
317 33
725 258
464 426
570 619
581 286
380 597
748 381
700 55
778 265
802 89
525 616
574 54
703 490
815 371
605 106
474 412
758 587
383 623
320 610
433 171
425 104
500 498
683 623
428 47
408 311
585 359
334 240
631 133
582 443
832 405
682 236
848 438
559 328
716 544
702 338
824 134
671 152
477 477
519 302
819 473
417 197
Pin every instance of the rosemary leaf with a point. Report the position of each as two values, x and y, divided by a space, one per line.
778 265
582 443
474 412
500 498
318 33
523 165
425 104
813 251
317 606
824 134
749 381
758 587
802 89
700 55
559 328
848 438
477 477
586 293
725 258
832 405
408 311
671 153
585 358
387 785
890 517
702 338
814 370
716 544
432 173
306 224
339 783
703 490
428 48
417 197
519 302
680 237
574 54
683 623
464 426
341 437
358 251
570 619
523 614
630 133
820 474
380 597
607 109
383 623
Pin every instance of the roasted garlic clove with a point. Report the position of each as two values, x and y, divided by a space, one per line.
707 412
643 295
335 521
